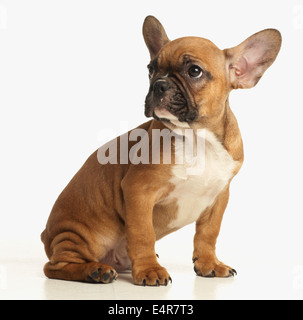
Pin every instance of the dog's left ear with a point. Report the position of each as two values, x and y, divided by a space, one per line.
248 61
154 35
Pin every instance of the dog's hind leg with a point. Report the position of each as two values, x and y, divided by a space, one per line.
94 272
72 258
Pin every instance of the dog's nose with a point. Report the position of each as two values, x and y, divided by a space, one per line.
160 86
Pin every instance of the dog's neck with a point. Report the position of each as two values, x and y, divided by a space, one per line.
223 125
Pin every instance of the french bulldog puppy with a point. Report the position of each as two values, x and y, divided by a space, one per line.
144 185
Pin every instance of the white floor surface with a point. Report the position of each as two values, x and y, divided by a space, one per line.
21 277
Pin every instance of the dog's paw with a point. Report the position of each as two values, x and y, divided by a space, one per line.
211 269
151 276
102 274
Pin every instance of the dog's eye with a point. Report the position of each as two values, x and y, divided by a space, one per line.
151 71
195 72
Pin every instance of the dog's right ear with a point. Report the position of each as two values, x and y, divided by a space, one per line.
154 35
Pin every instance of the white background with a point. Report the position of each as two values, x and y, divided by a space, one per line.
72 73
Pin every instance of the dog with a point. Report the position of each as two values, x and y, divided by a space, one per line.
129 194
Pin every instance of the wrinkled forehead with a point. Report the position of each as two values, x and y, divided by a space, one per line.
196 49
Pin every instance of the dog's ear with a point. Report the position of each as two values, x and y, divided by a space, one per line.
248 61
154 35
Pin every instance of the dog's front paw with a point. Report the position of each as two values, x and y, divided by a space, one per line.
154 275
211 269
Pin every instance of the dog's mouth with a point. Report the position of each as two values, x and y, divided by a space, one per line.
167 100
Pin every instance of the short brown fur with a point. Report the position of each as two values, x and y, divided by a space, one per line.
120 210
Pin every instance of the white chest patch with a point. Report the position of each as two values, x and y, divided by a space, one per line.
198 183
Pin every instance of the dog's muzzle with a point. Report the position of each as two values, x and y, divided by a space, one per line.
168 93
